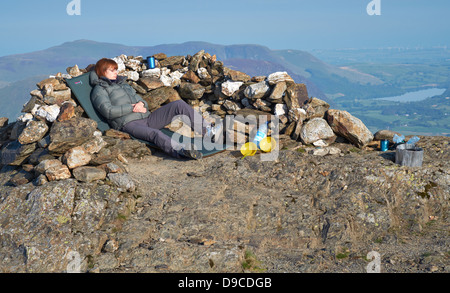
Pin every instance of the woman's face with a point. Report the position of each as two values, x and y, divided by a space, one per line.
111 73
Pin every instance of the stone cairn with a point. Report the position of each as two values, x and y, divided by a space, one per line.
54 139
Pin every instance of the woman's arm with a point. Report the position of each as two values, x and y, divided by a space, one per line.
137 97
101 102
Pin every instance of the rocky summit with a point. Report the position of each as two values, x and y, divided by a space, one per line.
75 199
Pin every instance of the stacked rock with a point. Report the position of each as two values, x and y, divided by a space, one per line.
55 140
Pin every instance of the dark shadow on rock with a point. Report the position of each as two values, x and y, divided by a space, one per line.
388 156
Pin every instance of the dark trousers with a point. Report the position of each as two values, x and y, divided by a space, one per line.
149 128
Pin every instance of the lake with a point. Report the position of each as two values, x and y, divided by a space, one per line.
416 96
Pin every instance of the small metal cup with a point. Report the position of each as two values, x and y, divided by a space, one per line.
384 144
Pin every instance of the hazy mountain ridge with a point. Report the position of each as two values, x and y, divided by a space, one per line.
343 84
15 94
254 59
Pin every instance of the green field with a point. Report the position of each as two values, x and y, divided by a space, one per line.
428 117
402 71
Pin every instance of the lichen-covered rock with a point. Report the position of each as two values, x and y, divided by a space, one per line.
76 157
191 91
33 132
58 172
15 153
65 135
123 181
159 96
88 174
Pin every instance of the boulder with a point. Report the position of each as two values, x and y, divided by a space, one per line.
50 113
171 61
58 97
159 96
280 109
133 64
277 77
262 105
203 73
231 106
191 91
46 164
3 121
155 72
346 125
296 95
385 134
257 90
65 135
14 153
317 129
316 108
76 157
278 91
59 172
235 75
48 81
120 60
88 174
123 181
190 76
297 114
228 88
33 132
39 155
66 112
150 83
95 144
131 75
194 63
74 71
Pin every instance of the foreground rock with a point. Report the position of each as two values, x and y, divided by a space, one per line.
306 213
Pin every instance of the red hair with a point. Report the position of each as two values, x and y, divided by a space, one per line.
103 65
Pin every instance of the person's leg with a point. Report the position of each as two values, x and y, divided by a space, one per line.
163 116
140 130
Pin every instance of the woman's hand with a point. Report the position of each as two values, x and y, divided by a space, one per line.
139 108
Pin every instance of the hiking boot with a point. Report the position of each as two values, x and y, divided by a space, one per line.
213 132
191 154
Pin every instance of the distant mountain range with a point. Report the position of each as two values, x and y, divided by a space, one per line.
20 72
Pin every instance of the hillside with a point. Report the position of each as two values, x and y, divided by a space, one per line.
16 94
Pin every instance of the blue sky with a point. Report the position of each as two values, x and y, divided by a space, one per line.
27 26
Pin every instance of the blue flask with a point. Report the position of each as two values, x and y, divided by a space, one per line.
262 132
151 62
